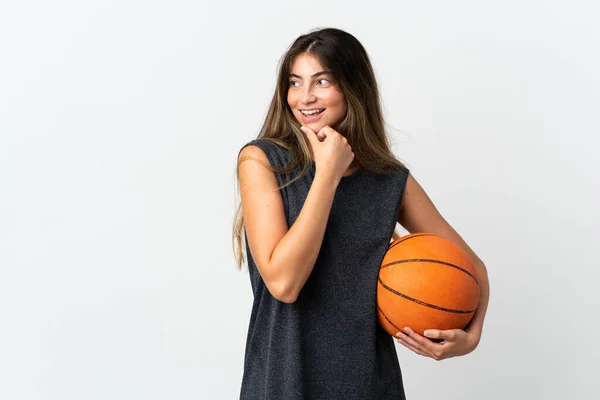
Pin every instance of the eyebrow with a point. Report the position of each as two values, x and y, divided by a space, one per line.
327 72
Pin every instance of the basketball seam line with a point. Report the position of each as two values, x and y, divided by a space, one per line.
387 319
422 302
411 237
432 261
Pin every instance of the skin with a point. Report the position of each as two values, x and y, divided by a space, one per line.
312 87
419 214
309 91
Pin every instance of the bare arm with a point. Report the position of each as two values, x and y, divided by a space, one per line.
285 258
418 214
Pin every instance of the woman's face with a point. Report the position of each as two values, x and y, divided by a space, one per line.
311 90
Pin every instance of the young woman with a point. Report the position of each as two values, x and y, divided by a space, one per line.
321 193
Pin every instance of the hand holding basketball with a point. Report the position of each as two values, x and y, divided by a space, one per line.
426 282
456 342
427 294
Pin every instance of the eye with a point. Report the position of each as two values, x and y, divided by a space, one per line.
292 83
321 80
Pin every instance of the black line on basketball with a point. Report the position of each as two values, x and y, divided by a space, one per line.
423 260
387 319
422 302
416 235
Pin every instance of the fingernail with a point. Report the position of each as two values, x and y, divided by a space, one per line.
407 329
302 128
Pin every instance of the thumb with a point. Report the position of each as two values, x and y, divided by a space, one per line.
312 139
432 333
309 132
448 334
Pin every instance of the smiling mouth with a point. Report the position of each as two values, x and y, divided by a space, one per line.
312 112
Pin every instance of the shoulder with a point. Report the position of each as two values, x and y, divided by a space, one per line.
255 169
253 145
400 174
273 151
267 146
253 151
403 171
419 214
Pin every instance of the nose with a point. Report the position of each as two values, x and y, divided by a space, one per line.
307 95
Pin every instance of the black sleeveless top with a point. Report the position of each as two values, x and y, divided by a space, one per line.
328 344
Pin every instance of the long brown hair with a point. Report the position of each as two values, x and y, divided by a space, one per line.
363 125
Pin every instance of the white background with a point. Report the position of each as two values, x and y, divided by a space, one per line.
120 124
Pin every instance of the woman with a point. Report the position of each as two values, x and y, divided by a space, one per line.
319 209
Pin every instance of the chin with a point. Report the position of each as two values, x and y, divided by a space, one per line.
316 126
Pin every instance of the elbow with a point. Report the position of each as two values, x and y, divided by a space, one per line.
288 299
283 292
281 286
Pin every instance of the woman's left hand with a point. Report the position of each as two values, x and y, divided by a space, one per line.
456 342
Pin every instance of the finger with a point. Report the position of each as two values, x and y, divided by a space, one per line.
327 130
437 355
434 335
306 129
310 134
423 343
412 342
449 334
401 340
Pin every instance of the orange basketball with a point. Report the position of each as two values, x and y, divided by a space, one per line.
426 282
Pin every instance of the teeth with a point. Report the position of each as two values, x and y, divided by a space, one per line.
311 112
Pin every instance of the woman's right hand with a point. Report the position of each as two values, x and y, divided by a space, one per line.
331 151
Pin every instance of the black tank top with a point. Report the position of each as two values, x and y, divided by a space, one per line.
328 344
